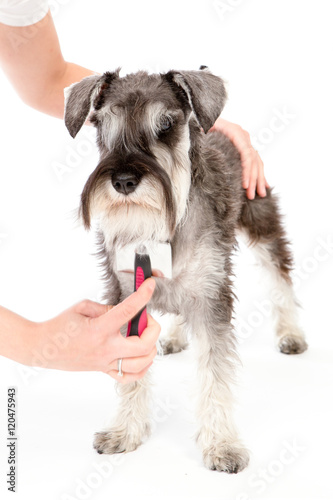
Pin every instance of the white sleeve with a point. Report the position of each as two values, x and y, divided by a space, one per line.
22 12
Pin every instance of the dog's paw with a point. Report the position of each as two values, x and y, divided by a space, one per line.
115 441
226 458
292 344
172 346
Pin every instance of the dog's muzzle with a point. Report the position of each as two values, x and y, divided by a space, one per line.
125 182
125 172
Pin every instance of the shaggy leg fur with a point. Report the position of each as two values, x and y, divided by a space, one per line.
131 424
209 321
217 436
262 223
290 338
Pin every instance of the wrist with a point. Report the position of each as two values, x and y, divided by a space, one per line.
38 351
223 126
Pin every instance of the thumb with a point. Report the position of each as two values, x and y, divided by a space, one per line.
91 309
126 310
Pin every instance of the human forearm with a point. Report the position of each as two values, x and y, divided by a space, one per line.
18 337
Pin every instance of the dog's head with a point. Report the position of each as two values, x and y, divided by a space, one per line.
140 188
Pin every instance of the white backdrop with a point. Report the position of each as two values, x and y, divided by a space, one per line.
276 57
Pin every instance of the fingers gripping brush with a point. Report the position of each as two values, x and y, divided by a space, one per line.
142 271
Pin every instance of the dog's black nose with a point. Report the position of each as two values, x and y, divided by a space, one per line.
125 182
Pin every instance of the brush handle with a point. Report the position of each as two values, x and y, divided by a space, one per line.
142 271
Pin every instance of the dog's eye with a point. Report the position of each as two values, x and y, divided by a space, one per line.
165 123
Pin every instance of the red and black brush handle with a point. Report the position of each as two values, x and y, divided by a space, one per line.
142 271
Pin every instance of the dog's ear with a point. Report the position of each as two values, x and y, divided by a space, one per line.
80 97
204 92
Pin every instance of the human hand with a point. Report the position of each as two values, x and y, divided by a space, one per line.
253 167
87 337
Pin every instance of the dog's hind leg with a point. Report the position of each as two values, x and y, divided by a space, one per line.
176 339
261 221
132 422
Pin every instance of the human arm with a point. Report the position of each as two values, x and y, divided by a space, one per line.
35 66
85 337
31 58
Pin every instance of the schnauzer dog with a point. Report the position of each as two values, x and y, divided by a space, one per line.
162 178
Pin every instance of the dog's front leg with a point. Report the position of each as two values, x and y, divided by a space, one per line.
217 436
132 422
207 313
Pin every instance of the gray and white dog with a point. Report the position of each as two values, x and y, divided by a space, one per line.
162 179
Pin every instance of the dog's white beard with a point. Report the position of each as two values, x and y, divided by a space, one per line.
141 218
128 224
